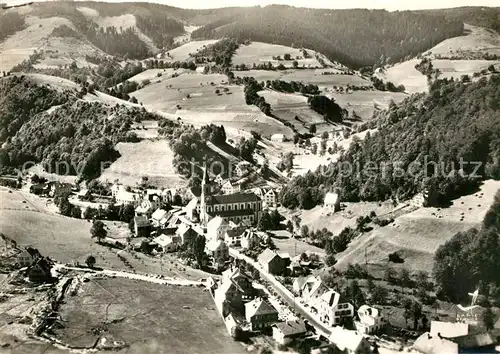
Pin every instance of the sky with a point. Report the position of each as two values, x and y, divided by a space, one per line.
390 5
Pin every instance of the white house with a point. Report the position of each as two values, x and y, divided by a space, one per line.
230 188
260 314
328 303
122 196
159 218
278 138
242 168
429 344
270 199
216 228
233 236
370 320
349 342
332 201
168 243
217 249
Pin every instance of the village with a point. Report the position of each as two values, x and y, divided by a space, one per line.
265 296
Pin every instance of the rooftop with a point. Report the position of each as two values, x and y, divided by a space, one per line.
233 198
258 306
449 329
291 328
267 256
428 344
141 221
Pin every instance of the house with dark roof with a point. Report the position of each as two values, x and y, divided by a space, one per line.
28 256
142 226
272 262
260 314
39 272
286 332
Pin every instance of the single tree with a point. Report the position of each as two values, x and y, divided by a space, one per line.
488 319
90 261
98 231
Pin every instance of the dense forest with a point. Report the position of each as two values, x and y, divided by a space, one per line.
443 143
471 259
476 16
77 138
353 37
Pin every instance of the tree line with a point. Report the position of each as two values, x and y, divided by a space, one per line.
353 37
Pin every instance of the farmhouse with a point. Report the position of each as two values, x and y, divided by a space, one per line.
39 272
233 236
260 314
370 320
278 138
332 201
286 332
142 226
168 243
186 233
272 262
28 256
149 203
249 238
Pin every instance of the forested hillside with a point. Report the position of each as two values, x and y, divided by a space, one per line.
476 16
470 260
77 135
419 147
353 37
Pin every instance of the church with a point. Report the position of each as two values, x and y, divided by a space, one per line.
236 207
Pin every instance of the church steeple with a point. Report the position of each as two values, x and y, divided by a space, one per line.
204 190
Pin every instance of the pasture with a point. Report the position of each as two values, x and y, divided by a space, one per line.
405 74
152 159
259 53
185 51
456 68
417 235
67 240
475 39
306 76
148 318
365 103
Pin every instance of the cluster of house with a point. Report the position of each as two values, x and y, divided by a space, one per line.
52 188
241 305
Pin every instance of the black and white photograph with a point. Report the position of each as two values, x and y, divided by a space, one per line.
249 177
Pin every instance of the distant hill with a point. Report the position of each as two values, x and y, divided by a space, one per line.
353 37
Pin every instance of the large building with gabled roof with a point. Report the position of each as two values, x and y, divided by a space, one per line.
236 207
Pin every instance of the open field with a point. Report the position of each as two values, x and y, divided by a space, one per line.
320 217
306 76
476 39
36 36
67 240
456 68
149 318
365 103
204 105
146 158
259 53
183 52
405 74
417 235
